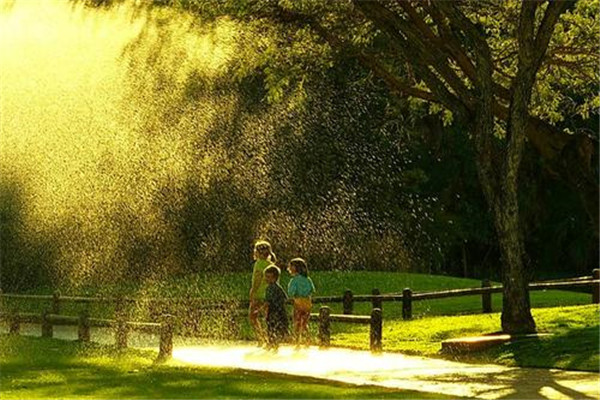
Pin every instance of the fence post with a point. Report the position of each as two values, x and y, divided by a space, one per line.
56 302
121 323
407 304
596 287
324 326
47 330
376 331
83 330
15 323
376 302
348 301
486 297
166 338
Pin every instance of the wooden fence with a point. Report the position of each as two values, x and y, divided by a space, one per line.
83 322
375 322
407 297
324 318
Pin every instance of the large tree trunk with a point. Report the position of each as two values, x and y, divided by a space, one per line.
533 41
516 313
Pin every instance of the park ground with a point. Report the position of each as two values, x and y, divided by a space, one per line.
35 367
568 316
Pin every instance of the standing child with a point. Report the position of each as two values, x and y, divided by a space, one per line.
300 289
277 319
263 256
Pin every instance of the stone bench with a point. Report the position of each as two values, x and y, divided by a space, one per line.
476 343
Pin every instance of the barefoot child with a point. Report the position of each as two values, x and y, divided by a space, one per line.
300 289
277 319
263 256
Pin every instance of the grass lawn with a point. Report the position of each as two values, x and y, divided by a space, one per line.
573 345
35 368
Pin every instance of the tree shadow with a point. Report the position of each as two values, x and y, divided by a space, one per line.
26 257
576 349
523 383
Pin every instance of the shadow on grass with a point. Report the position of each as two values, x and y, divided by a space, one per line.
528 383
576 349
44 368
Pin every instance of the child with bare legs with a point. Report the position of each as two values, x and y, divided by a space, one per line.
300 289
264 257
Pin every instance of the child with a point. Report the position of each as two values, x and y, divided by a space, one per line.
277 319
300 289
263 256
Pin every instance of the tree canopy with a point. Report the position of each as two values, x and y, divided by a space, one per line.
494 71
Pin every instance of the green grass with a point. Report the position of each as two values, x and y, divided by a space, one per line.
573 345
36 368
435 320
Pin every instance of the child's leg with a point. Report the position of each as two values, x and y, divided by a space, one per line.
304 308
257 310
303 328
297 324
276 331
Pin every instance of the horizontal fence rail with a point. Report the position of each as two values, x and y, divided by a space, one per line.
230 309
348 297
375 322
84 323
202 305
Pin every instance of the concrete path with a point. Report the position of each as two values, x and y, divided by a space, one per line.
390 370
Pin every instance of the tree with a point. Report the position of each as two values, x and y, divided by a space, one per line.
452 57
475 63
460 50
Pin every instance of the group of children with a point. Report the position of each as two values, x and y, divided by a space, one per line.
267 298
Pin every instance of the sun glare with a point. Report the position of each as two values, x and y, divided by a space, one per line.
82 131
356 367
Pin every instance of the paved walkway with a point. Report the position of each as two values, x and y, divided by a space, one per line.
390 370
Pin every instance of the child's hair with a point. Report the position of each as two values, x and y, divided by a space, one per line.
273 270
263 248
300 265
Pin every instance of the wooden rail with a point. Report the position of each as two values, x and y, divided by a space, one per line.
375 321
84 323
407 296
234 307
347 299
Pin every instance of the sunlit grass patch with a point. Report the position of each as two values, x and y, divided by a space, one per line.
573 345
36 368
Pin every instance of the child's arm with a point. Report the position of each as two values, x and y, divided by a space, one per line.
312 285
292 288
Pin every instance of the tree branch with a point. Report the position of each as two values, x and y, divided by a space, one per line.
417 52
